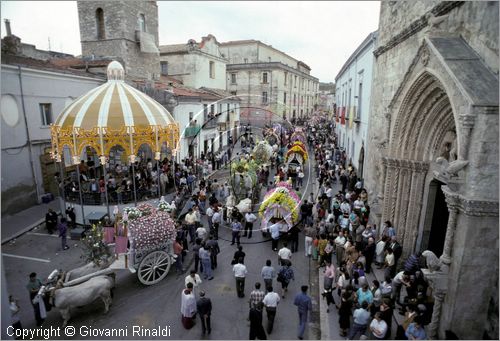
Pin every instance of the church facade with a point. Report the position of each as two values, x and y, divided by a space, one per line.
432 151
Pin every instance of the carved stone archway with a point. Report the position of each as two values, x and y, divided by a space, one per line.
444 110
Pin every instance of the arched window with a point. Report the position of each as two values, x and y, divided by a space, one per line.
141 23
99 17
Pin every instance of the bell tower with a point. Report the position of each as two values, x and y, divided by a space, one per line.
124 30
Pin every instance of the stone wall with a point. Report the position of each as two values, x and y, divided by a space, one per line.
475 22
120 18
405 137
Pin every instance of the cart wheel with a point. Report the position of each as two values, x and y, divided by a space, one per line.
154 267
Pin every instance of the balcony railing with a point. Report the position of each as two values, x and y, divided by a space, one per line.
210 123
192 130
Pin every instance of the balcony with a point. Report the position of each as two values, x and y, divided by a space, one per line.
192 131
211 121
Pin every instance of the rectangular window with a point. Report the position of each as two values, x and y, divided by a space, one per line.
264 78
360 95
284 98
295 83
233 93
164 68
212 109
294 99
205 110
233 78
246 60
212 70
228 107
220 109
264 97
190 116
303 81
286 77
46 112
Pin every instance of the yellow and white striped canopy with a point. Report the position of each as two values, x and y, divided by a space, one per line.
113 105
113 114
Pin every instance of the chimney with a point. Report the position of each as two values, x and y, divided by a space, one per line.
7 27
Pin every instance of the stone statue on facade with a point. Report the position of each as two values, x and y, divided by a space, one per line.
432 261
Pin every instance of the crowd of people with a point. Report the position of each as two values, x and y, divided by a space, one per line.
337 233
347 246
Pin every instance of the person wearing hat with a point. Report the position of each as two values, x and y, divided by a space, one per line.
204 307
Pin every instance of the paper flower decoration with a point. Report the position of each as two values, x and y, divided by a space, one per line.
281 202
151 230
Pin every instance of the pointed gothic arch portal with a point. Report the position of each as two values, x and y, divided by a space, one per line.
423 133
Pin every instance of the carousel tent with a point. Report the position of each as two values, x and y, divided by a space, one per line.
113 114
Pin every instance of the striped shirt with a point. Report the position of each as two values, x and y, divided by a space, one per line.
256 297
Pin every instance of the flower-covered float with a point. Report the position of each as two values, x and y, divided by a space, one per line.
295 158
262 152
243 176
149 232
280 203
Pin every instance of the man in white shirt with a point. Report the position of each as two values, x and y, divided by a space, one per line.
190 221
358 204
274 230
210 214
240 271
271 301
201 233
378 327
339 247
250 218
300 178
284 254
216 221
194 278
345 207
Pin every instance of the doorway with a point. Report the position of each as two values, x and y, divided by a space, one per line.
436 219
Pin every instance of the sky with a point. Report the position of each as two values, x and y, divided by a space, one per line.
323 34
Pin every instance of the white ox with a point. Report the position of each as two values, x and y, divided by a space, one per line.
82 294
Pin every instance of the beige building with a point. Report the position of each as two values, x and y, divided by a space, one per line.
269 81
432 153
195 64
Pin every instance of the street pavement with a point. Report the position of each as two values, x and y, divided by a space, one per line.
159 305
16 224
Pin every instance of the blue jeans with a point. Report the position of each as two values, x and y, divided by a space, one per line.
302 323
355 329
207 268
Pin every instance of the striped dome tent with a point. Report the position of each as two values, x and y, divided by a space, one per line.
113 114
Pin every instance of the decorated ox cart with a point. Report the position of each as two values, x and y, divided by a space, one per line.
144 242
280 204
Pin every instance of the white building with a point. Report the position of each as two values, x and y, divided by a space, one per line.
269 81
200 94
353 90
28 107
326 96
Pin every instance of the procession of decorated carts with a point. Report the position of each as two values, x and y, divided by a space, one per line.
117 122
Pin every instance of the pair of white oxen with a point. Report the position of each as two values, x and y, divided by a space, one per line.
77 288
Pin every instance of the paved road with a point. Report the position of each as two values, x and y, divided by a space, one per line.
159 305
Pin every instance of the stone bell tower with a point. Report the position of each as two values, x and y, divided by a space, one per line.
125 30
